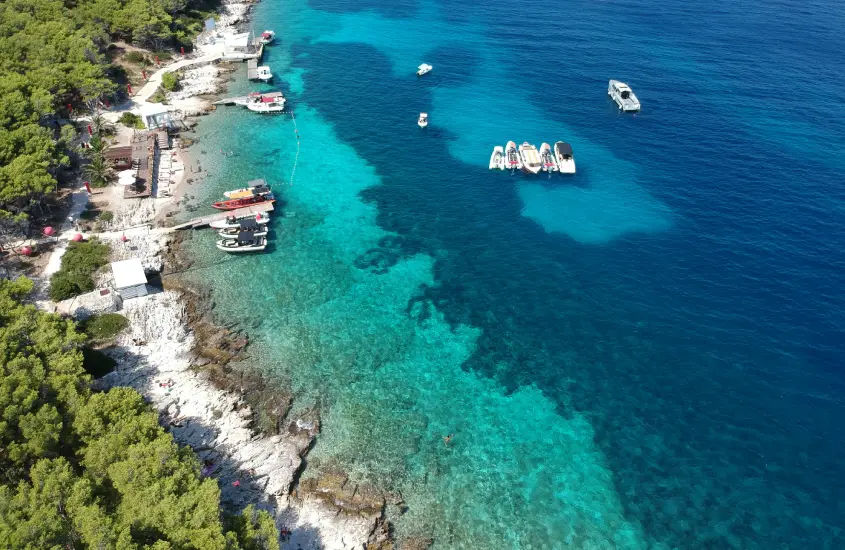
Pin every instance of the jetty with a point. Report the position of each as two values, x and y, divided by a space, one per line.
239 213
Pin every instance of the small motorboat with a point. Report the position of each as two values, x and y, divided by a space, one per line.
531 163
245 241
272 102
547 158
425 68
231 221
232 204
512 158
249 225
497 159
623 95
254 187
267 37
423 120
263 74
564 158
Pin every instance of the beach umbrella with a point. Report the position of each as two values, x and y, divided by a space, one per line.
48 231
127 177
77 238
26 250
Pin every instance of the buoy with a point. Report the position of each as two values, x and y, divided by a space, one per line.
77 238
26 250
123 238
48 231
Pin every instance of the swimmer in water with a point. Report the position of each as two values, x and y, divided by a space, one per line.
447 439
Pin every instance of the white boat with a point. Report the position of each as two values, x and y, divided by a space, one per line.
622 94
267 37
233 221
423 120
248 225
531 162
423 69
243 242
253 187
263 73
497 159
564 158
512 159
272 102
547 158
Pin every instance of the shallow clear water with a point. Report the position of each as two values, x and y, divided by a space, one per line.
647 354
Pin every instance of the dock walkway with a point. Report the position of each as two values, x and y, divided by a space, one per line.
245 212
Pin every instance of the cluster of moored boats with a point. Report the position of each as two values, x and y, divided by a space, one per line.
529 159
244 232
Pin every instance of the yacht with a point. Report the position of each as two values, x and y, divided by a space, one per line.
249 225
622 94
263 73
548 159
423 120
232 221
254 187
497 159
424 69
565 160
531 162
267 37
512 159
243 242
273 102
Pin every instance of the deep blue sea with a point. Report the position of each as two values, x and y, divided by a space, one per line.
648 354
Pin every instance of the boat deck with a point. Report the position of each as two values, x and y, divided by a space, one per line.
246 211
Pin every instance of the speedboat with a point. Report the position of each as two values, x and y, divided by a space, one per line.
263 73
547 158
564 158
248 225
232 204
231 221
531 162
497 159
622 94
267 37
423 120
243 242
254 187
273 102
424 69
512 158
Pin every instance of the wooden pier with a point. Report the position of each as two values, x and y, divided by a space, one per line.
239 213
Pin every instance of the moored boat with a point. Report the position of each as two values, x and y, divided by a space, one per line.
547 158
565 159
253 187
245 201
497 159
512 158
272 102
243 242
263 73
422 122
231 221
249 225
267 37
425 68
531 163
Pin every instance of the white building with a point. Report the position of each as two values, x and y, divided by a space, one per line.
129 278
156 115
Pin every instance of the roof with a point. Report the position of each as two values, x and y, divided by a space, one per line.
118 152
248 223
152 109
128 273
238 40
563 148
246 237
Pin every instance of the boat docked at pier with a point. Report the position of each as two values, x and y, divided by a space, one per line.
249 225
497 159
267 37
234 221
232 204
263 74
253 187
245 241
422 122
513 161
547 158
271 102
531 162
623 95
425 68
565 159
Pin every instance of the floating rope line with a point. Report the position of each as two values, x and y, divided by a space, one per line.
296 159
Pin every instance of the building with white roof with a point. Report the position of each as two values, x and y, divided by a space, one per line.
129 278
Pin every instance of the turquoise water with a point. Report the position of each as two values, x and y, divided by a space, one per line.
642 356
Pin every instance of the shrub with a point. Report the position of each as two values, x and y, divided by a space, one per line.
136 57
170 81
105 326
105 216
158 97
131 120
79 263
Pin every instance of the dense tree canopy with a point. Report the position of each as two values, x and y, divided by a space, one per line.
80 469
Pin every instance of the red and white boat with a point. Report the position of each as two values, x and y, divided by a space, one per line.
232 204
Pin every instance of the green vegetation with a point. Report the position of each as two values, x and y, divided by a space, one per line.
136 57
75 276
95 470
131 120
105 216
158 97
170 81
104 327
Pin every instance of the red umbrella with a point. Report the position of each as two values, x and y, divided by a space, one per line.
77 238
48 231
26 250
